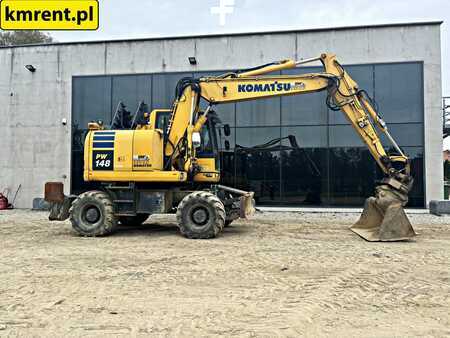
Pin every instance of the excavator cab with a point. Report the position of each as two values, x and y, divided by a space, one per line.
207 151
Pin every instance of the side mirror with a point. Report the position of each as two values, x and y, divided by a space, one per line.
196 139
227 129
227 145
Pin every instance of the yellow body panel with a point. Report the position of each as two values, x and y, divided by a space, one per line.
137 176
147 150
207 177
209 172
251 88
126 155
122 151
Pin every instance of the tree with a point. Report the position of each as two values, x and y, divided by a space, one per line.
14 38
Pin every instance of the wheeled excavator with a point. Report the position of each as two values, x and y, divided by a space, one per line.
169 162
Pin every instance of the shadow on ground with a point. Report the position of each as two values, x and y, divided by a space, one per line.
169 229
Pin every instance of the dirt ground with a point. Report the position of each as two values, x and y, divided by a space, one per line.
277 275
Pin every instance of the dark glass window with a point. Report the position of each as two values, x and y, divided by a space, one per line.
258 170
416 196
78 183
304 168
222 138
344 136
304 176
306 109
262 112
206 147
161 118
405 134
307 136
227 158
131 89
399 92
163 89
249 137
226 113
324 162
91 100
351 177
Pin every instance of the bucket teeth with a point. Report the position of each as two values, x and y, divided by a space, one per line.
383 218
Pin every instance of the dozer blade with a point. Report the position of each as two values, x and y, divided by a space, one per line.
247 205
383 218
60 211
59 203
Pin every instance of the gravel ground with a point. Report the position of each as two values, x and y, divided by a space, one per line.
278 274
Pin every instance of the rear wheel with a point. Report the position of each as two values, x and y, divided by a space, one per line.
201 214
133 220
92 214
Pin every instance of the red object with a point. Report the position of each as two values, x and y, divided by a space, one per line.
4 202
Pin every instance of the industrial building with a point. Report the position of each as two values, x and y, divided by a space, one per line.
45 108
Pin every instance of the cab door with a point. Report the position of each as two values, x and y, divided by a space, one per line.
208 154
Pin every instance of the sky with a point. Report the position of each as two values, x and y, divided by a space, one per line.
152 18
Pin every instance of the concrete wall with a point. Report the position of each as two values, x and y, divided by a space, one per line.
35 146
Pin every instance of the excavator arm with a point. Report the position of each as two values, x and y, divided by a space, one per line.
383 217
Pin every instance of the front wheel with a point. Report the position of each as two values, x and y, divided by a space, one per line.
92 214
201 214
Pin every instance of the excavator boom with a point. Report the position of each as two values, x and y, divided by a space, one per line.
383 218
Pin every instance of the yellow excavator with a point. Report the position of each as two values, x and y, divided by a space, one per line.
169 161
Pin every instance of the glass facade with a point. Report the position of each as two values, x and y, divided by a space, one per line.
329 167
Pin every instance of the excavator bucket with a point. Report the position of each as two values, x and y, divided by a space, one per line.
383 218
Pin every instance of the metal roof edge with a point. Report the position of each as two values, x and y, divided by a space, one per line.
231 34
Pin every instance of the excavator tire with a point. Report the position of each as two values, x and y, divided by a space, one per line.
92 214
201 215
133 220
